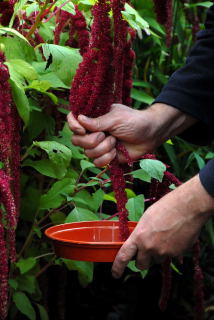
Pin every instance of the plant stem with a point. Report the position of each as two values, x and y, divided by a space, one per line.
27 242
68 203
45 267
45 255
37 21
55 12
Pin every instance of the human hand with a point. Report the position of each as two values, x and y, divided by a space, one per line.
168 228
139 131
131 127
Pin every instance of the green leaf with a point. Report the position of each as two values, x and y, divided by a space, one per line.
21 102
23 68
86 164
13 284
58 217
40 85
134 19
205 4
200 160
143 84
59 155
142 175
141 96
29 203
68 7
210 229
53 80
56 195
25 265
98 198
132 267
47 168
27 283
24 305
83 199
19 5
130 193
209 155
85 270
16 48
62 57
154 168
135 207
173 157
12 32
81 214
42 312
110 197
173 266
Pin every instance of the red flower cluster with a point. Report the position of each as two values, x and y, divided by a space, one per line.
199 283
163 10
104 77
9 181
6 12
3 274
78 33
157 191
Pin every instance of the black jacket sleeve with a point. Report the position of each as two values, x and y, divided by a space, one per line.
191 90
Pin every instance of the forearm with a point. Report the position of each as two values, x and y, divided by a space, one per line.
168 121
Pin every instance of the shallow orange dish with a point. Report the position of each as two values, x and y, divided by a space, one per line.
96 241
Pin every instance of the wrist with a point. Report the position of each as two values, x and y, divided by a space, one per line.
168 121
197 201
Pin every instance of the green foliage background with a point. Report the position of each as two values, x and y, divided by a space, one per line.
59 183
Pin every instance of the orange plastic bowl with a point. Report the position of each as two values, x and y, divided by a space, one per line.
96 241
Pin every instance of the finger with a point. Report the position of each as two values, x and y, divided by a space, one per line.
127 251
88 141
143 260
105 159
104 147
102 123
74 125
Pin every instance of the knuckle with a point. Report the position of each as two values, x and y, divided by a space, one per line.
122 257
74 140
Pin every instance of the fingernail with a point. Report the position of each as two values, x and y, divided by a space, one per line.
82 117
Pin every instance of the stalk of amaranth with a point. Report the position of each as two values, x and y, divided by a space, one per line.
104 77
9 182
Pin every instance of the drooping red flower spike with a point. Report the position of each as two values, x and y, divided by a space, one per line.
163 9
104 77
199 283
9 181
166 284
78 33
3 272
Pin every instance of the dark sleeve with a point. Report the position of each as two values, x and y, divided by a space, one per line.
191 88
207 177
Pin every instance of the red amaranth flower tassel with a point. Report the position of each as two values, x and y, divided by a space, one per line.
166 284
8 201
199 285
163 9
61 21
99 82
3 273
128 66
78 28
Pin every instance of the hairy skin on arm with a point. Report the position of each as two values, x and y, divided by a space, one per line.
168 228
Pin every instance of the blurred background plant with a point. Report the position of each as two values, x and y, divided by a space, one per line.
60 184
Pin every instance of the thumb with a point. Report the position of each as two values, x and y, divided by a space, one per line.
102 123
